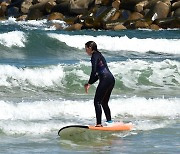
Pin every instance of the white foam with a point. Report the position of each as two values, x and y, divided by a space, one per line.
12 20
158 74
41 77
121 43
30 128
161 74
13 38
34 24
146 125
46 116
37 117
45 110
137 106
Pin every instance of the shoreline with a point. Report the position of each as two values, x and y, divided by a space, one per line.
97 14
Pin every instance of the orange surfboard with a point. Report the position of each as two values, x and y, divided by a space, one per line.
117 126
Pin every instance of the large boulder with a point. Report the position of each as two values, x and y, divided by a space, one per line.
35 14
62 6
25 6
129 4
37 11
177 13
103 2
124 14
154 27
15 3
99 16
49 6
3 9
171 22
151 4
120 27
116 15
115 24
71 20
160 10
175 5
116 4
79 6
141 24
139 7
56 16
72 7
13 12
135 16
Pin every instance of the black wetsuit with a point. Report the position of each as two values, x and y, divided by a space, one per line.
101 71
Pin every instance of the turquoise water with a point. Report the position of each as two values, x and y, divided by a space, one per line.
42 73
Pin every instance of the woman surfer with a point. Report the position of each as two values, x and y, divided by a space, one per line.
106 84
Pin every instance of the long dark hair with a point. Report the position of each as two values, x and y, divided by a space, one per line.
92 44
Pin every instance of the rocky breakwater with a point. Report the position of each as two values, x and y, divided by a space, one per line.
97 14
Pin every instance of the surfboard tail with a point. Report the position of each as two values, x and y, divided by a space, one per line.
72 126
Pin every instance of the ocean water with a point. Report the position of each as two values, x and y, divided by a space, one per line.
42 73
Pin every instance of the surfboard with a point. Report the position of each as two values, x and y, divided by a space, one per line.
117 126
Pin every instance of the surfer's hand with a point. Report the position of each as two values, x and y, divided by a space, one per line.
86 87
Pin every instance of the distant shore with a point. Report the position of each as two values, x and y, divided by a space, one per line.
97 14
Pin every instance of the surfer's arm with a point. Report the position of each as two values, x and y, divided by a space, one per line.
93 77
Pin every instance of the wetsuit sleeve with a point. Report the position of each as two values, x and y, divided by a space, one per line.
94 76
